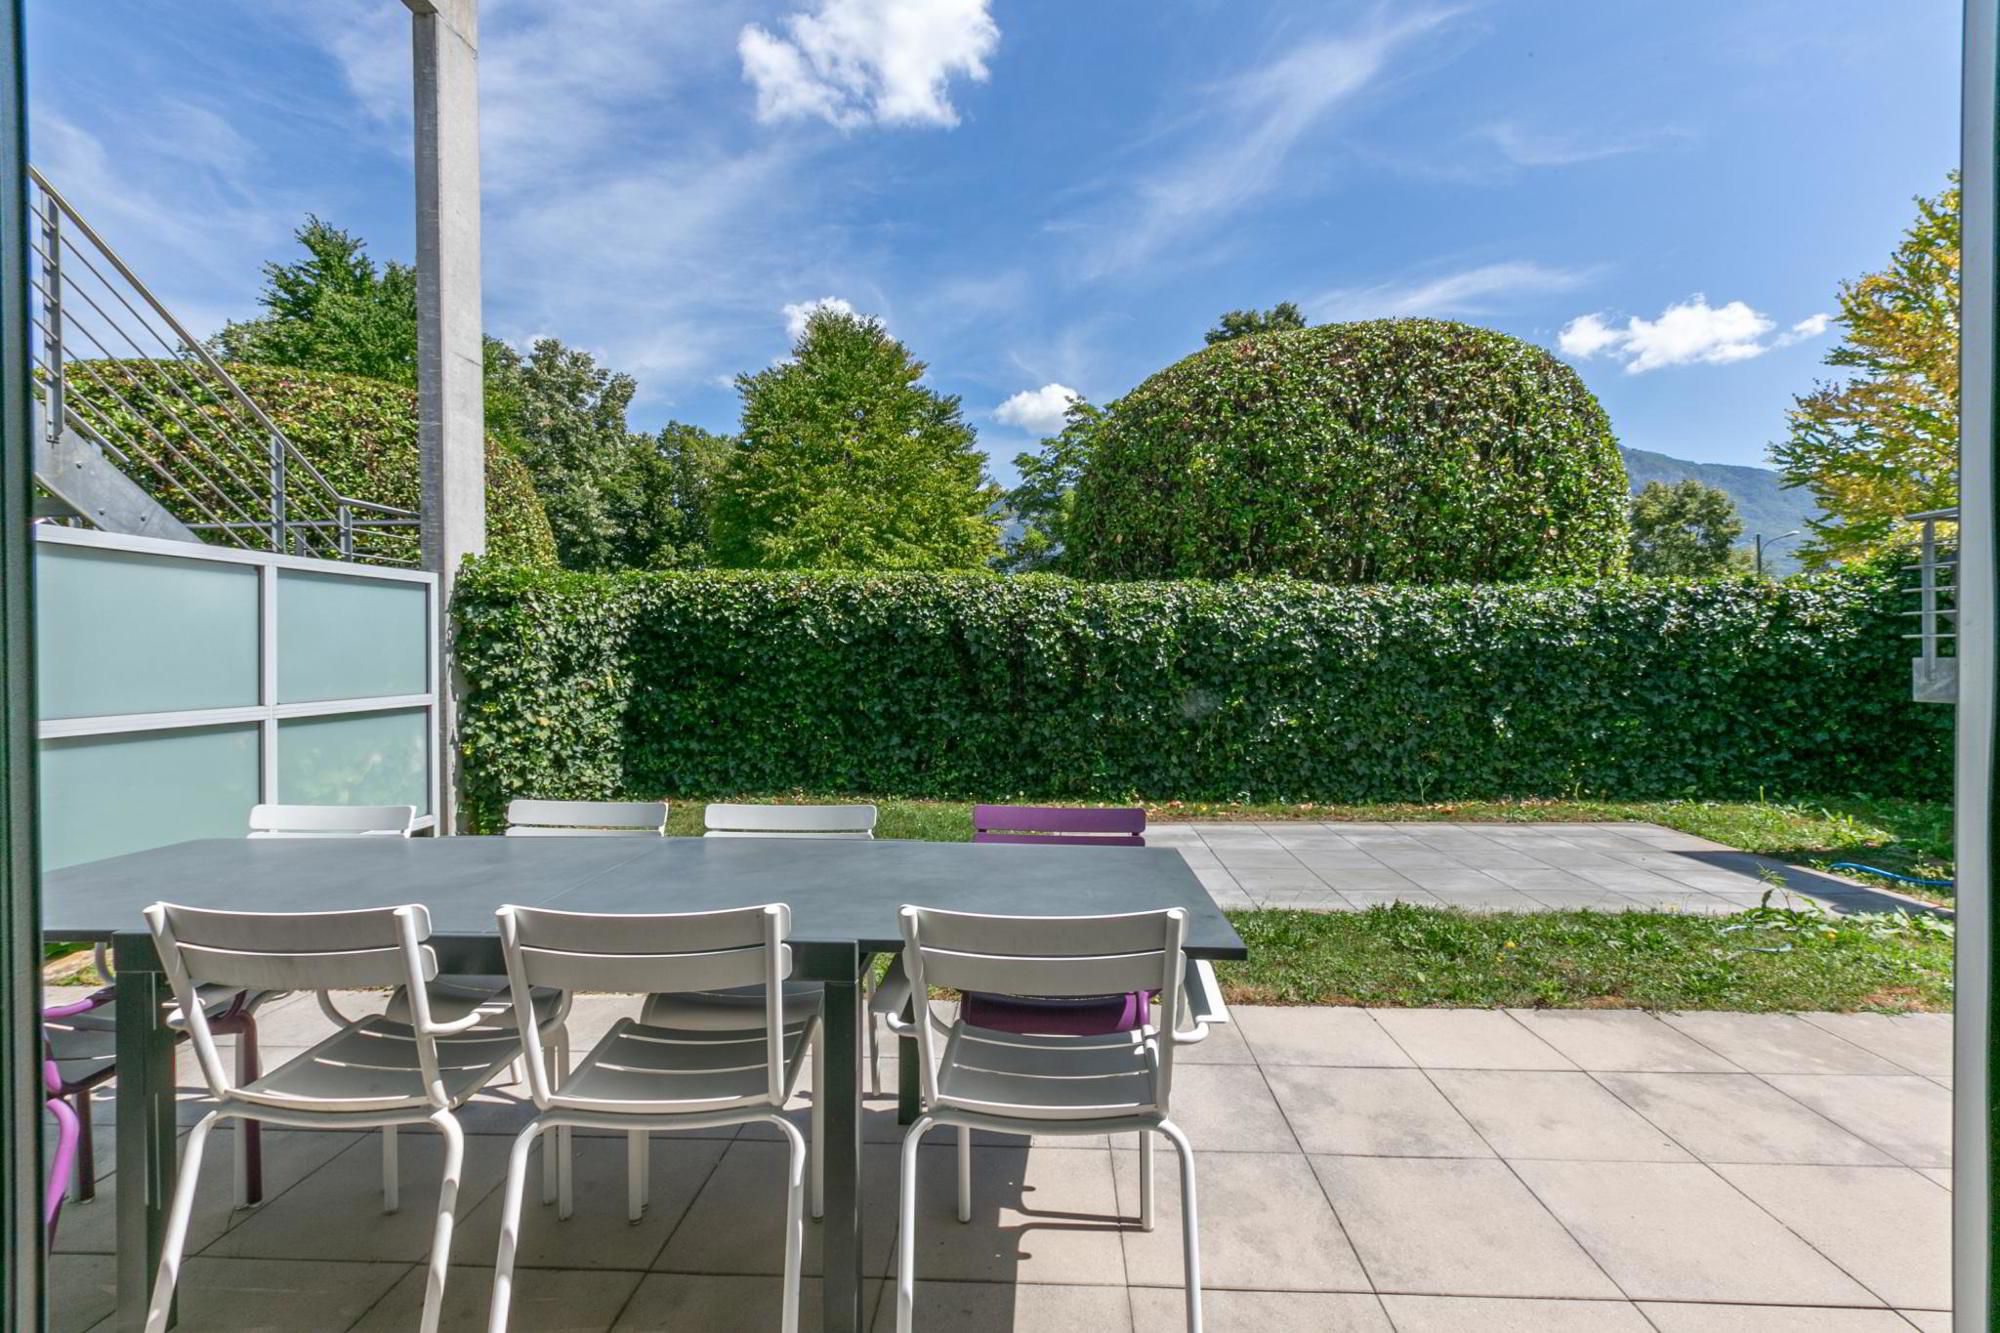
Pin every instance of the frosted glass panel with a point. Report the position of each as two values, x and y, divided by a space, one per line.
122 633
342 638
108 795
364 759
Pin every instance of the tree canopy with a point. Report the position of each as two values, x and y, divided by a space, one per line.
333 310
846 461
1039 506
1243 323
1687 529
1882 442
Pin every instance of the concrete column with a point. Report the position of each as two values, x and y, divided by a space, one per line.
445 61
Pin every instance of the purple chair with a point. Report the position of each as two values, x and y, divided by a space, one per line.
69 1129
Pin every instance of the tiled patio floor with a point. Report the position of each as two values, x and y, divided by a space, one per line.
1491 867
1402 1171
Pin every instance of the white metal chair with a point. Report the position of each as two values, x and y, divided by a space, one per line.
372 1072
1014 1084
645 1078
586 819
725 820
332 821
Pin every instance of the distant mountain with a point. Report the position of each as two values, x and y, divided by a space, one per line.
1763 503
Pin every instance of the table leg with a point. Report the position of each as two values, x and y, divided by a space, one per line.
146 1136
842 1238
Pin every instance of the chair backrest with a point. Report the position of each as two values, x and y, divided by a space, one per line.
1046 957
586 819
1059 824
672 952
371 947
332 821
725 820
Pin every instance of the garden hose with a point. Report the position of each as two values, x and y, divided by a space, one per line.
1890 874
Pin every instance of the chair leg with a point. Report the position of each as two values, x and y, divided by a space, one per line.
964 1174
177 1224
1190 1224
249 1133
1145 1181
392 1184
906 1227
795 1223
565 1172
558 1066
83 1183
819 1121
638 1170
454 1162
510 1223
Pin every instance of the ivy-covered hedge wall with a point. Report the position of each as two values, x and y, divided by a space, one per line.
705 683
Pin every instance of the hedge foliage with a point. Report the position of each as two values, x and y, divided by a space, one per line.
1388 451
360 433
976 686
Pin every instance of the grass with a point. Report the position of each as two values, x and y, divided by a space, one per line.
1419 957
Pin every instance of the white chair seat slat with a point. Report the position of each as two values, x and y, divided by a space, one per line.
332 821
586 819
736 1009
1048 1078
725 819
666 1067
304 971
1062 977
453 998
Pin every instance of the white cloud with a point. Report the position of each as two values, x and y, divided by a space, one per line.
1690 332
856 62
798 312
1525 147
1037 411
1473 291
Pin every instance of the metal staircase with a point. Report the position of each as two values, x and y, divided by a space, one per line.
143 432
1934 671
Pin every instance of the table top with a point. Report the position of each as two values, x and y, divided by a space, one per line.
844 894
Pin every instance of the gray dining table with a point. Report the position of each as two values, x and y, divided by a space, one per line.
844 896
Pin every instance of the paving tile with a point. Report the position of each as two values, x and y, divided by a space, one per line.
1228 1108
1454 1227
1540 877
1476 1314
596 1235
1363 899
1224 1045
549 1300
1920 1043
1531 1113
1468 1039
1620 1039
1369 879
1317 1035
707 1303
83 1290
1265 1225
736 1224
1164 1310
227 1295
1909 1118
1668 1232
1009 1307
1929 1321
1936 1175
1740 1118
1486 900
1778 1044
1036 1217
1372 1112
1771 1319
1887 1226
1438 879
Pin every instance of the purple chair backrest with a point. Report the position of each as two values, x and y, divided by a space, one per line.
1051 824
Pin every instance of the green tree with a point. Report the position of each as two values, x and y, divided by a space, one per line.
333 310
1041 503
663 509
1243 323
848 462
1684 530
564 416
1883 442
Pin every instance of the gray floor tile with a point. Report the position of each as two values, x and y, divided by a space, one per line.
1468 1039
83 1290
1372 1112
1919 1043
549 1300
228 1295
1455 1228
1770 1319
1929 1321
737 1222
1667 1232
1530 1113
1162 1310
1317 1035
1907 1117
1224 1045
1372 880
1887 1226
1487 900
1008 1307
1740 1118
1036 1217
1477 1314
1265 1225
1778 1044
1362 899
707 1303
1541 877
1625 1040
1228 1108
1937 1175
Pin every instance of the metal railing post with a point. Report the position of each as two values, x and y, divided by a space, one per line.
52 308
279 526
345 513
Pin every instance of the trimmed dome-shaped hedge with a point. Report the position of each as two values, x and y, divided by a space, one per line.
1390 451
360 433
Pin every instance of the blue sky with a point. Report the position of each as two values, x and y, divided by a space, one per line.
1042 198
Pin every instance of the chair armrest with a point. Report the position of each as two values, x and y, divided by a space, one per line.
1201 1002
